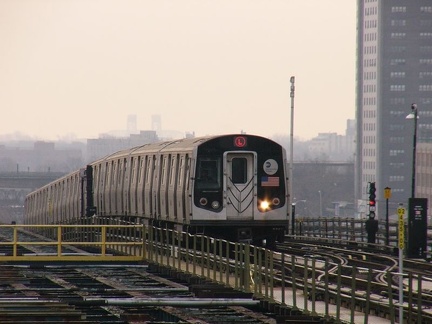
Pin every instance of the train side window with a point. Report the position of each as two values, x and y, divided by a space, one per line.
180 173
187 170
239 170
173 169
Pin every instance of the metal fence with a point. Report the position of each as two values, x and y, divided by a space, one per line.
311 286
353 230
24 243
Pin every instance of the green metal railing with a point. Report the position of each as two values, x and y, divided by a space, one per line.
305 284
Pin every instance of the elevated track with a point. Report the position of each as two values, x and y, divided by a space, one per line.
255 271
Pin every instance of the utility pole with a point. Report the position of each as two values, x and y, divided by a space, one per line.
290 194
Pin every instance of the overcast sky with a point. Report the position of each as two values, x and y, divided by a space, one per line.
210 66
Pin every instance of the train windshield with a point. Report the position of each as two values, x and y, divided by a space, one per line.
208 173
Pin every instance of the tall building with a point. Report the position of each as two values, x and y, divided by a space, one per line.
424 175
394 70
103 146
156 122
333 147
132 124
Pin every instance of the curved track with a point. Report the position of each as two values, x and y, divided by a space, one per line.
366 272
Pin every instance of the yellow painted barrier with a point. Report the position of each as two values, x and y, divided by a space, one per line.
71 243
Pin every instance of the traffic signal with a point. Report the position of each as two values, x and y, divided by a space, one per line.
372 195
372 202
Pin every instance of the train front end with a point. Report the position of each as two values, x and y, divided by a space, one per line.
240 189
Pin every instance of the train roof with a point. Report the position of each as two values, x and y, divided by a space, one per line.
178 145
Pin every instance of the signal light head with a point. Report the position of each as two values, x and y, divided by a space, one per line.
372 195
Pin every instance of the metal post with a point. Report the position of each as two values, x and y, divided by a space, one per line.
414 107
293 206
413 114
387 223
387 196
401 245
400 286
320 201
290 194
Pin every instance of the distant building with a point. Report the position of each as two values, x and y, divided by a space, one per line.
40 156
323 188
163 134
132 124
394 70
156 123
101 147
43 157
423 174
334 147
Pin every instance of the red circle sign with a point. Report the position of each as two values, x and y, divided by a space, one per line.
240 141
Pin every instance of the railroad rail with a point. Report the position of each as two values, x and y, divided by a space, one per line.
358 274
354 230
102 292
265 274
116 294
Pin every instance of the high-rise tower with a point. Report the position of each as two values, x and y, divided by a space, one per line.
132 124
394 70
156 123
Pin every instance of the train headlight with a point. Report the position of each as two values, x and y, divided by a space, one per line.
203 201
276 201
264 205
215 204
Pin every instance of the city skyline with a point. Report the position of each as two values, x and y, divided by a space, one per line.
206 67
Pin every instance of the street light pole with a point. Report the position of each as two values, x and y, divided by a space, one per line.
321 213
413 115
290 194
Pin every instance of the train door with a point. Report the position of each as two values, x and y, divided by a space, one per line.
181 189
240 172
164 184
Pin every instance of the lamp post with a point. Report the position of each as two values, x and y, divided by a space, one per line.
321 213
417 207
295 203
413 115
290 200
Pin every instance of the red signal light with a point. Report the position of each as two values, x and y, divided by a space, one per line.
372 195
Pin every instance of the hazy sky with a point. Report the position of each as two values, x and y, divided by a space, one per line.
210 66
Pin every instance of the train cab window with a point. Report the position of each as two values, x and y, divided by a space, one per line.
239 170
208 173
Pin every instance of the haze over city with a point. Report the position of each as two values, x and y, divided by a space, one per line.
78 68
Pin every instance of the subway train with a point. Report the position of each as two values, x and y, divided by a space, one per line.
227 186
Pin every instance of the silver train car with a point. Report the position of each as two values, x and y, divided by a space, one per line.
227 186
